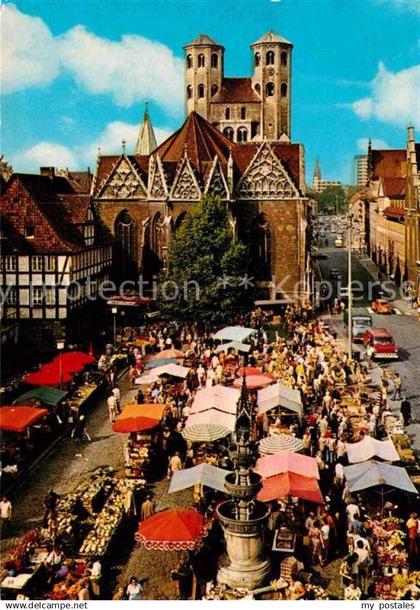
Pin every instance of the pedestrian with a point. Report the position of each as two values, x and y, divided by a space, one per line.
352 592
83 593
119 594
175 464
95 577
117 395
413 529
405 409
50 505
140 397
112 407
79 429
397 387
134 590
147 509
5 516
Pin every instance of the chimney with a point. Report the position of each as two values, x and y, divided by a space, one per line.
47 171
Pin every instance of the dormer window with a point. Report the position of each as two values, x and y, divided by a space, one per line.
29 231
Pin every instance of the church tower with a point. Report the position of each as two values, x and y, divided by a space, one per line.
272 58
203 74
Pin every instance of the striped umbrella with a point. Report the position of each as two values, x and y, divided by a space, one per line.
280 442
205 433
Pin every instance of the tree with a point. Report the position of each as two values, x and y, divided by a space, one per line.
331 201
206 277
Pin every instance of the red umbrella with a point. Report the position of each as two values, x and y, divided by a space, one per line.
290 484
18 419
173 529
134 424
254 381
73 362
249 370
48 375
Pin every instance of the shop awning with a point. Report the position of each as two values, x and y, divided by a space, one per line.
171 353
236 345
394 213
370 447
217 397
46 395
153 410
279 395
373 474
203 474
234 333
212 416
153 364
172 370
48 375
278 463
19 418
290 484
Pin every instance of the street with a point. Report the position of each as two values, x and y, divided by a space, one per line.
403 325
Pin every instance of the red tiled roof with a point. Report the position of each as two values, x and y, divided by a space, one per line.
200 140
394 213
236 91
389 163
394 188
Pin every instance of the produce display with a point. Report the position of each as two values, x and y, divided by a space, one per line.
81 395
99 538
389 543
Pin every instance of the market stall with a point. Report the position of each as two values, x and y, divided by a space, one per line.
46 395
369 447
280 442
205 475
217 397
279 395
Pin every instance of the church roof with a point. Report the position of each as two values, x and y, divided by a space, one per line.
200 140
289 155
271 37
202 40
236 90
389 163
146 142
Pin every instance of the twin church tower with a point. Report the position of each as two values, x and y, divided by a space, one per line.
243 109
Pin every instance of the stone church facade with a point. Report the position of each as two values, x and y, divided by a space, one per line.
143 198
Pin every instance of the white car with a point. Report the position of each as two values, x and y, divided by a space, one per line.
338 242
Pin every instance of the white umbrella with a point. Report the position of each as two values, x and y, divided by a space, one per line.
205 433
217 397
235 333
279 395
212 416
370 447
203 474
280 442
236 345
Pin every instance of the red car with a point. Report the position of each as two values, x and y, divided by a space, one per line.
382 342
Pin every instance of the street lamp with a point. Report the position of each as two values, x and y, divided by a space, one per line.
114 313
60 347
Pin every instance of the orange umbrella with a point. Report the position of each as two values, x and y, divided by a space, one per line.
249 370
290 484
254 381
152 410
167 353
172 529
18 419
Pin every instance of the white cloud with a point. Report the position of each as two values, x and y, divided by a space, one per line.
362 144
56 155
130 70
394 97
45 153
111 138
28 55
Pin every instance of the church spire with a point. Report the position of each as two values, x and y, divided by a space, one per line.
317 171
146 142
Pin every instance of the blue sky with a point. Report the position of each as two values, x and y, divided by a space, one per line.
75 75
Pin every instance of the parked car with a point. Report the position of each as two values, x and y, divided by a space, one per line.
360 323
338 242
382 342
381 306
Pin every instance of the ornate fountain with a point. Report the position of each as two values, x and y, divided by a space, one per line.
243 518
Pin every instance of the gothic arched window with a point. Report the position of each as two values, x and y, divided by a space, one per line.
158 235
201 61
283 90
258 88
269 58
214 60
228 132
214 89
242 134
284 58
200 91
189 61
243 113
257 59
189 92
269 89
227 113
264 245
125 237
